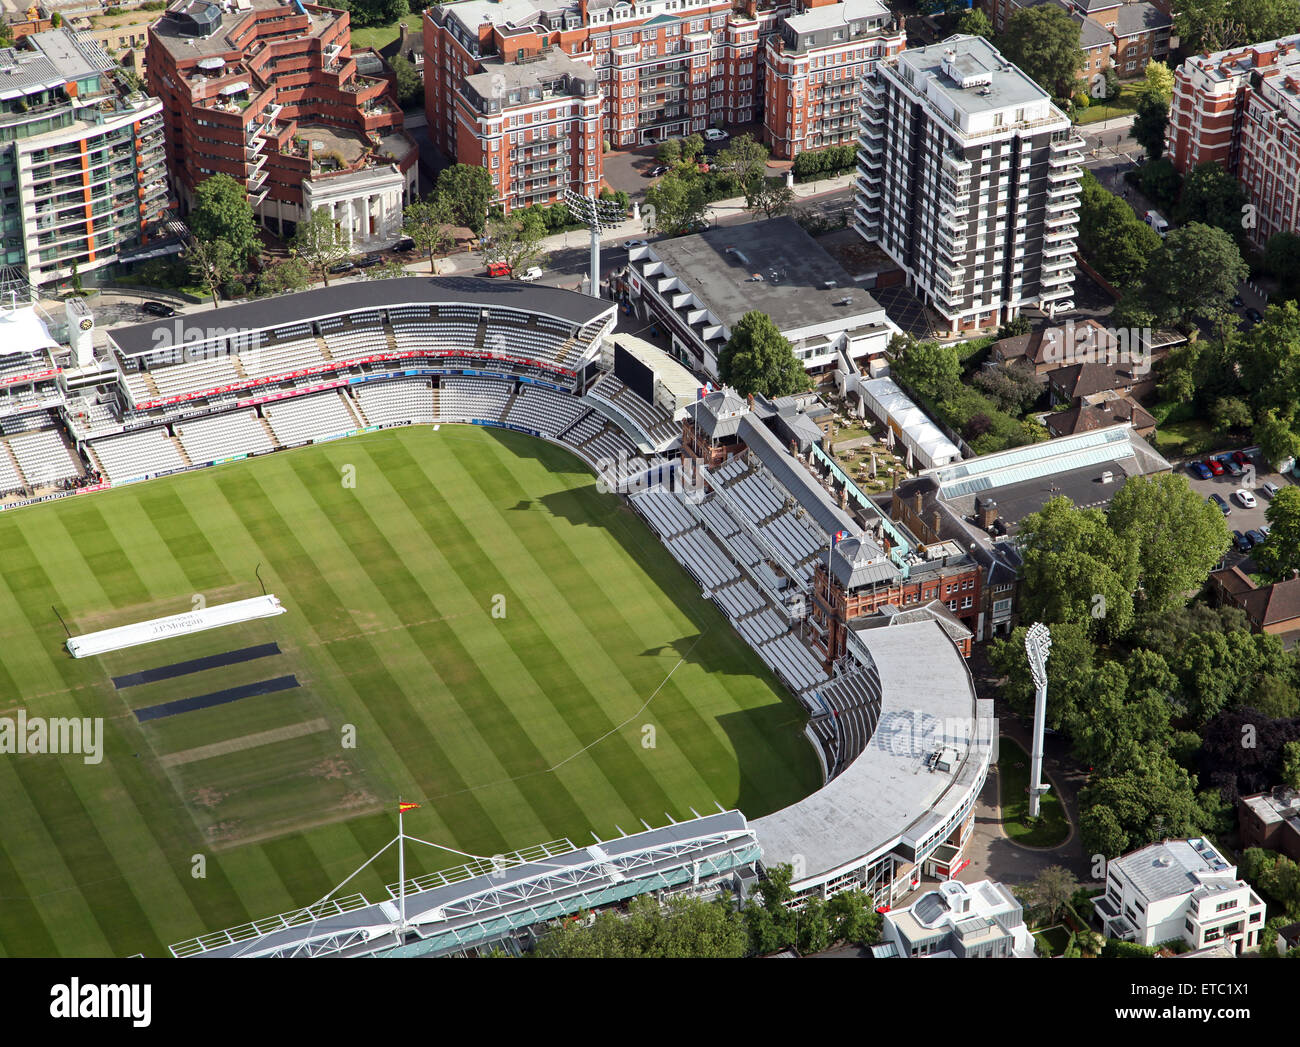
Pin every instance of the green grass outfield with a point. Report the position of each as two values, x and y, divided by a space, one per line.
510 731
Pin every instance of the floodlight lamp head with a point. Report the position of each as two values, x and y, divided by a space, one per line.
1038 643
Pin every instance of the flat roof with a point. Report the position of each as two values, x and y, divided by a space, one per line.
1007 85
830 15
927 697
720 264
357 296
675 378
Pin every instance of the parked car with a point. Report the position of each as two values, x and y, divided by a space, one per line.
498 269
1270 488
655 172
404 244
158 309
1244 498
368 261
1265 530
1201 470
1253 315
534 272
342 267
1224 507
1256 537
629 244
1231 467
1237 303
1216 466
715 134
1241 457
1240 542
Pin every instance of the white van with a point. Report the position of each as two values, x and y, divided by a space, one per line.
1156 221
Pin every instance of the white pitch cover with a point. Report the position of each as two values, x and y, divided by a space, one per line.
176 625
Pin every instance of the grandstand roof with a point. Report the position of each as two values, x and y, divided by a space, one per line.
860 561
794 478
890 794
268 313
683 385
718 414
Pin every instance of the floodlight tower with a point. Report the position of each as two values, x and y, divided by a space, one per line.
596 215
1038 642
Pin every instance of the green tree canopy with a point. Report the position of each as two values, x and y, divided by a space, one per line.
1158 80
1076 569
680 928
758 359
1149 123
1214 25
1191 278
1279 555
678 201
1178 536
1111 236
974 22
1044 43
467 191
221 211
514 240
932 369
1213 196
320 243
428 223
410 87
1276 437
1149 801
1282 260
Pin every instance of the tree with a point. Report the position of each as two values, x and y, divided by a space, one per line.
745 160
1279 554
758 359
409 85
692 147
1117 727
1212 196
769 195
1291 765
1190 279
853 919
1044 43
427 222
1149 124
681 927
932 369
1150 801
467 191
287 274
771 923
1282 260
1159 81
1051 890
1076 569
1276 438
1160 182
1215 25
1111 236
211 264
974 22
1019 324
221 211
678 201
320 243
1178 536
390 270
377 12
1012 386
669 152
515 240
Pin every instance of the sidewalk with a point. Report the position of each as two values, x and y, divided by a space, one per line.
635 229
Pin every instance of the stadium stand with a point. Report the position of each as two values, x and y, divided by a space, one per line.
305 418
43 457
224 436
466 399
137 455
547 412
396 402
654 422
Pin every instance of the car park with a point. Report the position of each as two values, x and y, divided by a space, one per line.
1224 507
1244 498
158 309
1201 470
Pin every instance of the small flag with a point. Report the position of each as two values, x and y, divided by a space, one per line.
835 539
402 808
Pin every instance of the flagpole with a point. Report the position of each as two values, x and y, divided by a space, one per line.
401 871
